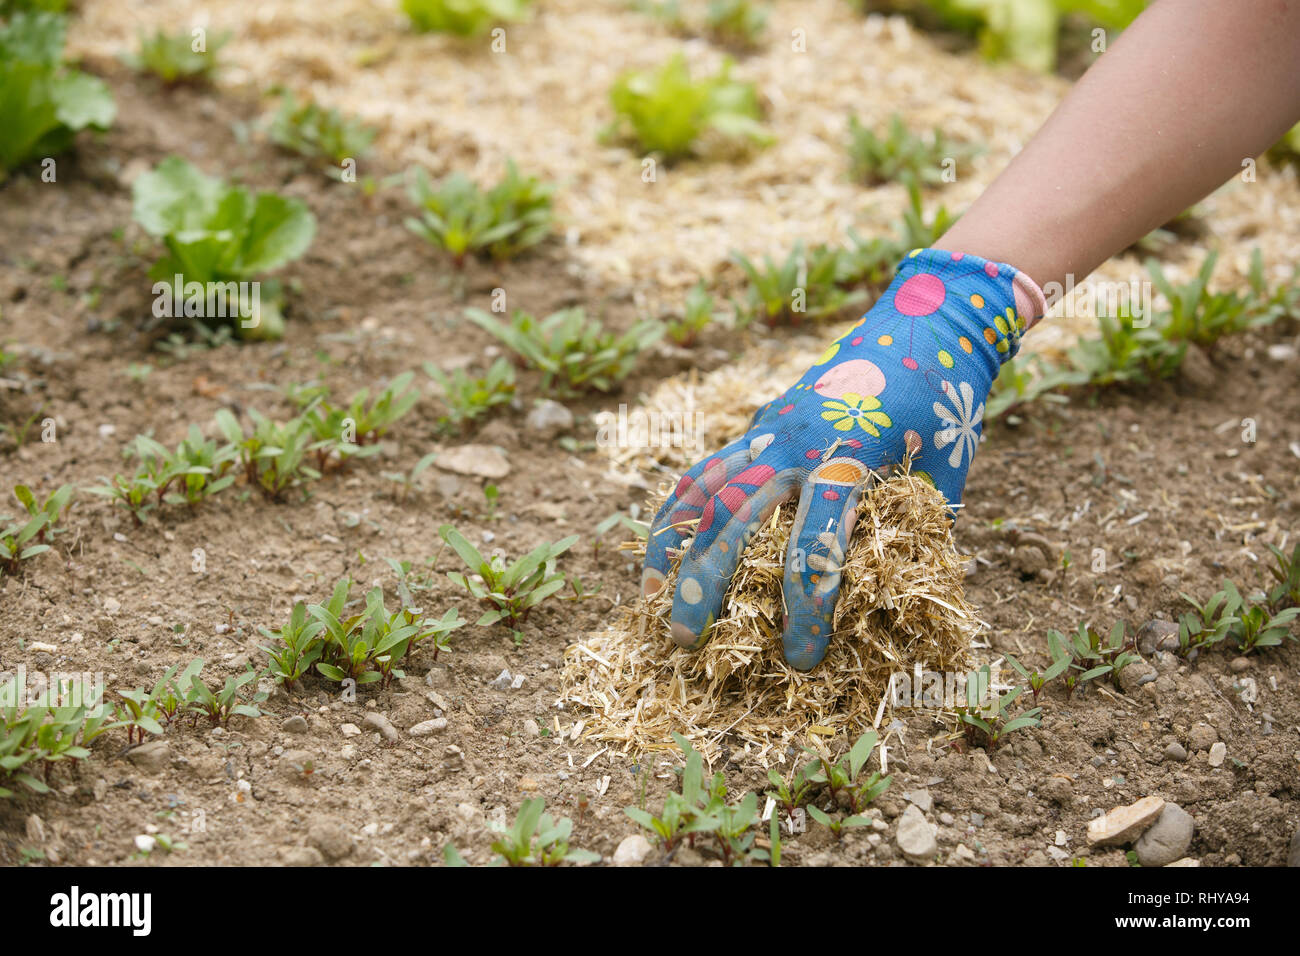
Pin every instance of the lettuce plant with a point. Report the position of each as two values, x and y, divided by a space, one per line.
667 112
220 236
462 17
43 103
172 57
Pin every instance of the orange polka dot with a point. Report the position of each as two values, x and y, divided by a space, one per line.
977 300
845 471
989 335
965 345
885 340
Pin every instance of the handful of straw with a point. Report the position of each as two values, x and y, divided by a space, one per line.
901 602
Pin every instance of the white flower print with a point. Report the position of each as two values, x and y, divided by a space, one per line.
960 430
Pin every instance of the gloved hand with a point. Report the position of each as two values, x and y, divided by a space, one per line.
911 378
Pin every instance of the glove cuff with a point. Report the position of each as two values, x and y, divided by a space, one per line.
994 303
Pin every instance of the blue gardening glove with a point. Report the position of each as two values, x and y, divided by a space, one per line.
910 378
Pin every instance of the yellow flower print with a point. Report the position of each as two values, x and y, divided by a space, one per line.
856 408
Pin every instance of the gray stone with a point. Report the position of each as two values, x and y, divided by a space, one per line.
330 838
1167 839
1218 753
632 851
297 724
152 756
916 836
1134 676
1176 752
549 418
1124 824
377 721
1157 635
479 461
301 856
921 799
427 727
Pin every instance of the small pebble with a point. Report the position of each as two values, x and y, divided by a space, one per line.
1217 754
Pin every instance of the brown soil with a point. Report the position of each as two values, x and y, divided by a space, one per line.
373 302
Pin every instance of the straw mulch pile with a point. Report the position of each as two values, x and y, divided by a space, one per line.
901 602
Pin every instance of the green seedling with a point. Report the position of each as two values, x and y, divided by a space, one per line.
317 133
47 732
1095 656
697 315
877 159
367 647
1124 352
46 103
465 18
221 705
845 774
1036 680
468 397
142 712
669 826
807 284
273 456
295 647
408 480
1023 381
410 580
915 230
509 591
837 824
737 24
491 495
351 431
537 839
795 792
32 533
1285 570
1212 621
573 352
1256 627
703 810
181 57
667 112
463 219
736 830
1197 315
987 725
627 522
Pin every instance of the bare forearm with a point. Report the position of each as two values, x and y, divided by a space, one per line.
1191 89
